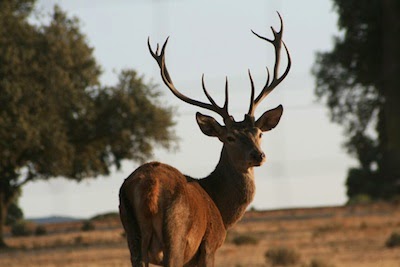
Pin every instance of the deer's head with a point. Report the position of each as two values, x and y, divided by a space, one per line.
241 139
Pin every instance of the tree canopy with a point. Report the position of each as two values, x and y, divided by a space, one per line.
56 119
359 82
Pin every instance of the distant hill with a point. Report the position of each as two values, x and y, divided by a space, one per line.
54 219
113 215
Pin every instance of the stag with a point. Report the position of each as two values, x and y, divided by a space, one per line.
172 219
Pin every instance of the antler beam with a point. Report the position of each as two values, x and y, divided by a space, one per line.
276 80
160 58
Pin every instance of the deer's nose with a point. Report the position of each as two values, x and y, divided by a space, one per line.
257 156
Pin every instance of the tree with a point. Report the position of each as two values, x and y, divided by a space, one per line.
56 119
14 214
360 82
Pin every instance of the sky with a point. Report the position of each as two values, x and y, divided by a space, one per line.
306 163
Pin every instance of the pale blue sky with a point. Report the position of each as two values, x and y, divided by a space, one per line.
306 165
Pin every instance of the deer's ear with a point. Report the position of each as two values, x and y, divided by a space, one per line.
269 119
209 126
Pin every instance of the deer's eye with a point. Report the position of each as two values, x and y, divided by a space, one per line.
260 135
230 139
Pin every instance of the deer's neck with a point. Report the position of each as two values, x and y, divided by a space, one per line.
231 189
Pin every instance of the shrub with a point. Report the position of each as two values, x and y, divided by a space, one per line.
282 256
318 263
363 225
40 230
327 228
87 226
78 240
21 229
359 199
245 240
393 240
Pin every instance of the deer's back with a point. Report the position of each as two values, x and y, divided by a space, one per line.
165 198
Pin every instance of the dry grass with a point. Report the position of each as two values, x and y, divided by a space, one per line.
338 236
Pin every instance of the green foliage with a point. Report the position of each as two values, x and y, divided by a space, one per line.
393 241
14 214
131 119
21 228
240 240
359 82
17 8
56 119
282 256
343 76
359 199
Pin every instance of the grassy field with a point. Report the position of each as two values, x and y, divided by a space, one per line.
352 236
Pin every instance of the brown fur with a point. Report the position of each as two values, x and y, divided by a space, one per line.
174 220
150 190
190 216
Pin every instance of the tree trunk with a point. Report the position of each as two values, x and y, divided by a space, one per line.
391 92
3 214
7 195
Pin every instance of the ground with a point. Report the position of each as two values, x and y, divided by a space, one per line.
351 236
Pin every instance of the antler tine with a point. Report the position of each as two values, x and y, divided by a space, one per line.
160 58
226 95
206 93
277 43
223 111
252 93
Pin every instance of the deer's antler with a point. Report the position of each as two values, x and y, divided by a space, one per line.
160 58
277 43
